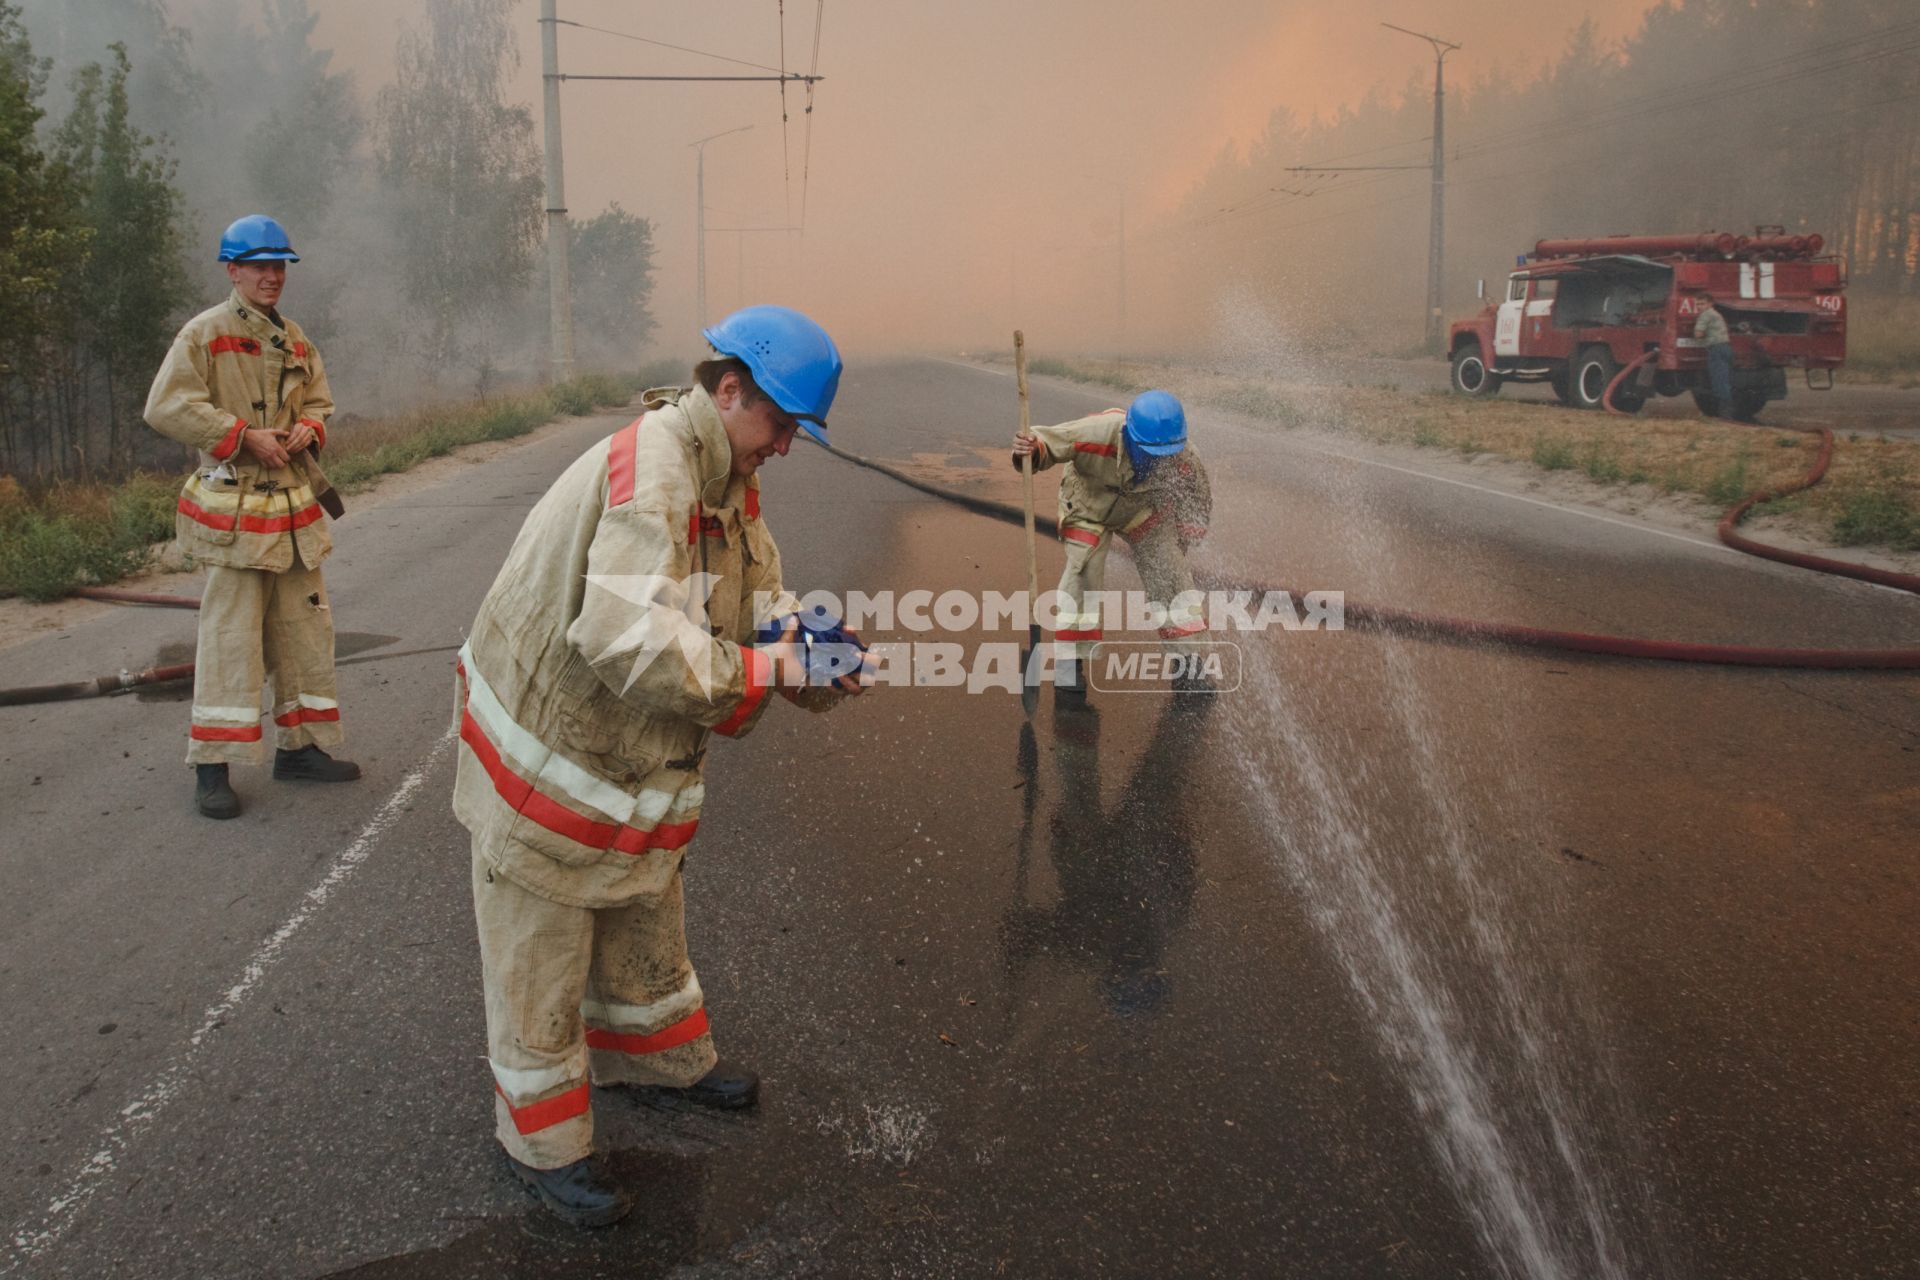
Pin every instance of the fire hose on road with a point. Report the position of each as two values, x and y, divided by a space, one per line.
1361 616
1436 626
128 681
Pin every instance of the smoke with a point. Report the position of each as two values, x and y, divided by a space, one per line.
1099 175
970 165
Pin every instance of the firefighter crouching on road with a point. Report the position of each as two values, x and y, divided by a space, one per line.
1131 473
586 693
244 386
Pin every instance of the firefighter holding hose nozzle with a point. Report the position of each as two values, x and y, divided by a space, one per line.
1129 472
625 627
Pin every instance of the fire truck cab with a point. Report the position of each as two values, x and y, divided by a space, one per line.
1576 312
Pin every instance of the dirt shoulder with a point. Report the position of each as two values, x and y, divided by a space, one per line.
21 620
1679 473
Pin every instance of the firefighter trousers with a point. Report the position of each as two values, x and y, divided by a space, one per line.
1163 572
255 623
577 995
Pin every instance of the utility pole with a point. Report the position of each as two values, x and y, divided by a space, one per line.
1437 166
559 283
700 208
1437 233
560 291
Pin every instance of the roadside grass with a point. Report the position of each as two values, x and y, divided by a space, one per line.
1733 481
1870 496
79 534
1102 373
1552 455
75 535
1877 515
1598 461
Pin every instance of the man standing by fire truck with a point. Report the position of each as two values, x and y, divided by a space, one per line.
245 387
1711 328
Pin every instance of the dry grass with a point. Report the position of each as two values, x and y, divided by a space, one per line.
71 535
1871 494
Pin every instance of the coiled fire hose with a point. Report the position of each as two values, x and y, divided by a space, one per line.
1729 522
1359 616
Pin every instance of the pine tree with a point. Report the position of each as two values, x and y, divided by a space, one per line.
41 245
132 287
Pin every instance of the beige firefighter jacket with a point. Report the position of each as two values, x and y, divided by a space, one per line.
232 368
1101 493
588 685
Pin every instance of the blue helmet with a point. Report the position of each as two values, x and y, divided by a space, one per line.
791 357
1156 426
256 238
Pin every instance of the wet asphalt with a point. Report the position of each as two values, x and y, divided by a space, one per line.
1405 959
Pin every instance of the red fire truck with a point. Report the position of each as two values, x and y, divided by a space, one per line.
1577 311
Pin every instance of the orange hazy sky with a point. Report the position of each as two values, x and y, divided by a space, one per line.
958 145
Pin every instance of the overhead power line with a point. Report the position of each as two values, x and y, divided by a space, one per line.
560 318
767 79
662 44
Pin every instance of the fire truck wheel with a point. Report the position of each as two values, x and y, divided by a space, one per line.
1593 369
1747 405
1562 382
1471 377
1705 403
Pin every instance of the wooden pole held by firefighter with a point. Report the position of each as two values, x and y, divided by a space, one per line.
1030 693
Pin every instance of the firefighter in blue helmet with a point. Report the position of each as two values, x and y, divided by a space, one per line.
245 387
619 636
1130 472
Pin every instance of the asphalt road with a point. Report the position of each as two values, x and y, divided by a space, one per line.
1404 959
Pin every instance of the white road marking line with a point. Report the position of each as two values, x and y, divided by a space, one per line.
1518 497
978 368
1705 544
143 1110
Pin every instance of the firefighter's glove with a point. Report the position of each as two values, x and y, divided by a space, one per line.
817 659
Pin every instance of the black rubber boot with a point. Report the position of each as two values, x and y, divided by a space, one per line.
1194 684
725 1088
575 1194
311 764
1070 685
212 793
